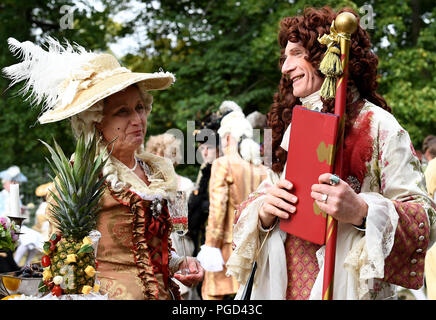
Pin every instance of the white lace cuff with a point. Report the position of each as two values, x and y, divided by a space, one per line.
381 223
210 258
366 259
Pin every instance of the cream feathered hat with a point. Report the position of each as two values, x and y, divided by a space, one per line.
68 79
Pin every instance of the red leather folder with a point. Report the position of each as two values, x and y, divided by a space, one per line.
311 152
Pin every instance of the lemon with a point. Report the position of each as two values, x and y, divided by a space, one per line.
11 297
11 283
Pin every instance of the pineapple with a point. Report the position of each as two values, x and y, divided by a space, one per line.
79 187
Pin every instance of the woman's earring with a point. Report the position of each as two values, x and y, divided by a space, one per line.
100 134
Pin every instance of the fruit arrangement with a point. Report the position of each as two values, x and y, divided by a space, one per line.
69 258
33 270
69 266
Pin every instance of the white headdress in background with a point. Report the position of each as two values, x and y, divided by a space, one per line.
13 174
257 120
228 106
236 125
240 128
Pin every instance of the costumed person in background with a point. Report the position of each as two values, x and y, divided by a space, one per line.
233 177
429 150
9 176
259 122
111 104
42 224
168 146
30 245
198 204
429 153
429 141
384 185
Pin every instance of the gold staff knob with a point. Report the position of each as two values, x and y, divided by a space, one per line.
346 22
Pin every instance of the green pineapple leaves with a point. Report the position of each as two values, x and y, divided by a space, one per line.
79 187
87 248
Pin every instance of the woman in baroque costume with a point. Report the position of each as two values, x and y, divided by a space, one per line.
135 255
384 214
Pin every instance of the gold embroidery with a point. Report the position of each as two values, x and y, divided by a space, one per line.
115 290
325 153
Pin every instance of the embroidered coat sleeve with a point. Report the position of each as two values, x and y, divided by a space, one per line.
402 182
218 197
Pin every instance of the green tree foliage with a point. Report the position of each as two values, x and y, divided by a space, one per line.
407 63
218 50
19 129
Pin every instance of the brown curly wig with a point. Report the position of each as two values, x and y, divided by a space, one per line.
362 73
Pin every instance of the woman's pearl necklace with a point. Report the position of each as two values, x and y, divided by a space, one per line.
134 167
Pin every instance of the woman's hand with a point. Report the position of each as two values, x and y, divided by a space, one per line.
196 272
342 202
278 203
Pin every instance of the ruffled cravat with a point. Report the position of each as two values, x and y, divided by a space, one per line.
312 101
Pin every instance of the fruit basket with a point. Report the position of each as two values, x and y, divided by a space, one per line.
24 281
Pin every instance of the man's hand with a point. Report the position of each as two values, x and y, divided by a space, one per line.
278 203
342 202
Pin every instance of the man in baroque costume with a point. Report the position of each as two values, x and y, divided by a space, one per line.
233 177
384 214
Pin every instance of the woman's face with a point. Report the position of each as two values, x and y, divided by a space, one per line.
124 118
303 75
208 152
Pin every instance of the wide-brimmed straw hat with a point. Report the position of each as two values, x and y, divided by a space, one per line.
68 79
43 189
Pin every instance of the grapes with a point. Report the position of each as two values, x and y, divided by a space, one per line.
29 271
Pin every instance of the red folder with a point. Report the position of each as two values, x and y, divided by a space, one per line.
311 152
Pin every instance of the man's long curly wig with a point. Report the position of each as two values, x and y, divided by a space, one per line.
362 73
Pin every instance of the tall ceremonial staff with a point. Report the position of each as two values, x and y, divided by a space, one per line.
335 68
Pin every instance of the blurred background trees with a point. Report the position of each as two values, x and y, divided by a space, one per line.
218 50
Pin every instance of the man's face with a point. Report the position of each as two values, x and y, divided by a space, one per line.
303 75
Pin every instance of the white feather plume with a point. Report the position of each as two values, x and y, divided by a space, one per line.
51 77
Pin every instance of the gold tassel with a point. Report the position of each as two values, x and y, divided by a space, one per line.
331 67
331 63
328 88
